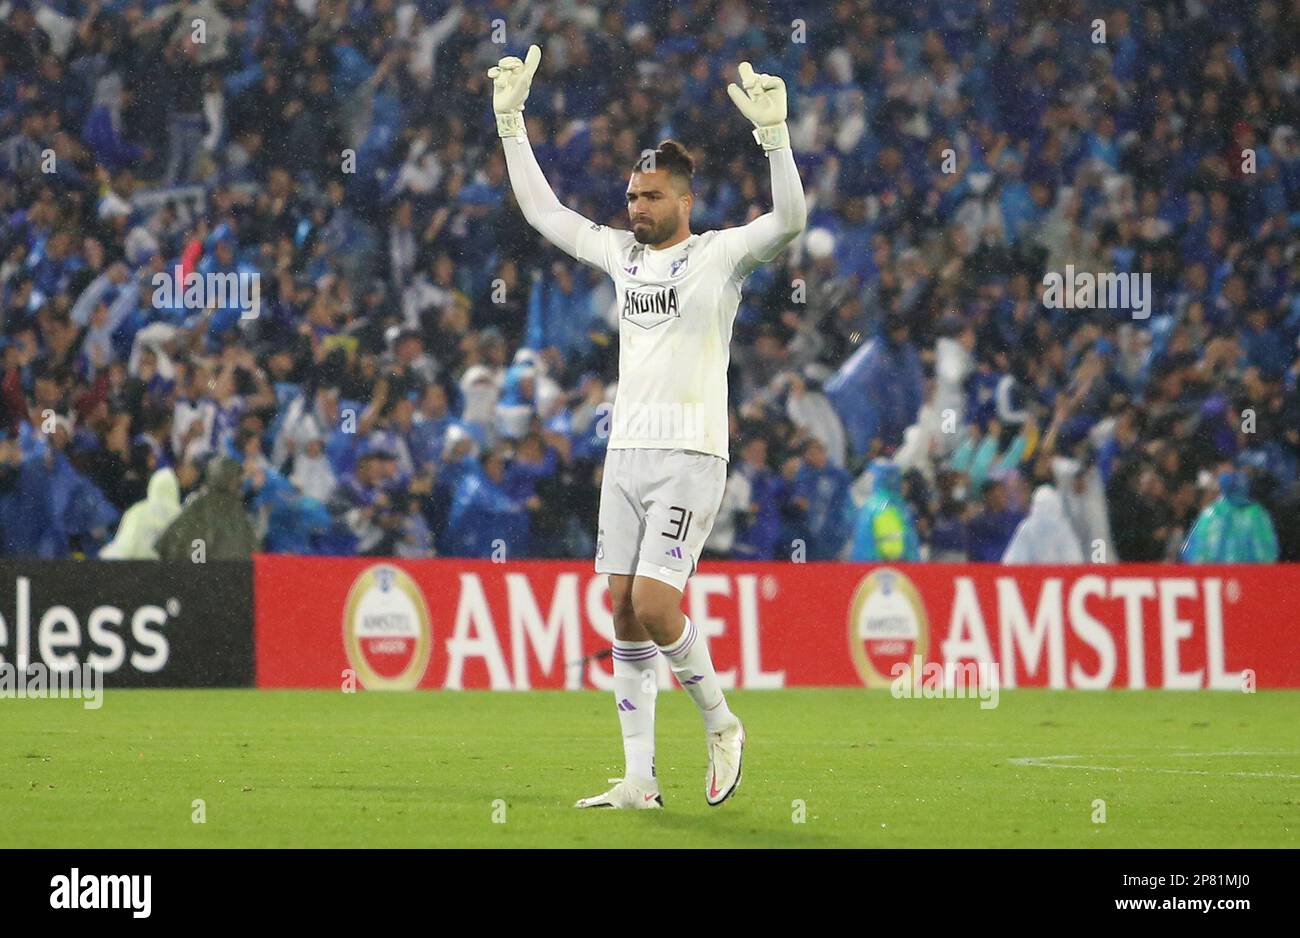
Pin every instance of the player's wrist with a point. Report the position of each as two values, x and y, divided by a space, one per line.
511 124
773 137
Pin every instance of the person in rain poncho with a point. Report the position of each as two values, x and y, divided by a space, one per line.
1045 536
145 521
1083 496
885 528
479 389
1232 528
312 473
215 516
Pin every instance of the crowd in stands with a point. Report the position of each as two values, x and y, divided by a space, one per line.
422 375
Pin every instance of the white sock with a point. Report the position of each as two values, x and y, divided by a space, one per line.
635 687
690 660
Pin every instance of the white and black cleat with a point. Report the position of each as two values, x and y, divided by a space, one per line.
627 794
726 757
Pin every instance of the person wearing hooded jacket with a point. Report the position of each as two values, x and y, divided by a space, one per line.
145 521
1045 536
1232 528
879 390
811 411
1083 498
215 516
885 528
484 515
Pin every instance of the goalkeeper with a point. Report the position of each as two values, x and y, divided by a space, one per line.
666 463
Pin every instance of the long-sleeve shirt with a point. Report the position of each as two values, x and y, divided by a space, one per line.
676 305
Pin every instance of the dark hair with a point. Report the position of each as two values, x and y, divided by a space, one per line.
671 157
154 418
242 436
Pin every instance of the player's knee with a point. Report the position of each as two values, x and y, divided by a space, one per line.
620 601
625 622
655 617
624 613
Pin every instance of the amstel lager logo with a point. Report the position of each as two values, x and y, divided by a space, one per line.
887 625
386 629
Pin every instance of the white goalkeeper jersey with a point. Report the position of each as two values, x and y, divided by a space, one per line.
676 308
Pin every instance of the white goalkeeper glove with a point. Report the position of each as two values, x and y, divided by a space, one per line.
511 79
763 102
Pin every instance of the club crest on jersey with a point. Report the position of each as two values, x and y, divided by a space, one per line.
650 307
678 265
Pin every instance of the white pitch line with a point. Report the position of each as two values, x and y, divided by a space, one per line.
1257 752
1054 762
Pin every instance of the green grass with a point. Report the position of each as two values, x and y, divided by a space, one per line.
325 769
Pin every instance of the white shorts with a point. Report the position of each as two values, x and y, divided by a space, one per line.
657 507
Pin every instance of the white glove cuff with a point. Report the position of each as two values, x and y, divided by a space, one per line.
774 137
510 125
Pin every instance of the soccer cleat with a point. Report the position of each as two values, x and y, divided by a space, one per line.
726 751
628 794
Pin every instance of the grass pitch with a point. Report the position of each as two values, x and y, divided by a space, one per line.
326 769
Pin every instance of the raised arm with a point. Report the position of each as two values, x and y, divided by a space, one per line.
511 80
559 225
762 100
767 235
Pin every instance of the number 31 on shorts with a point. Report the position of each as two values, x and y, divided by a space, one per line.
681 521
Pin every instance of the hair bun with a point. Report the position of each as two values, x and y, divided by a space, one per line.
672 152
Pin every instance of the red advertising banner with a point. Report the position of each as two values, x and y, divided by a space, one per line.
400 624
